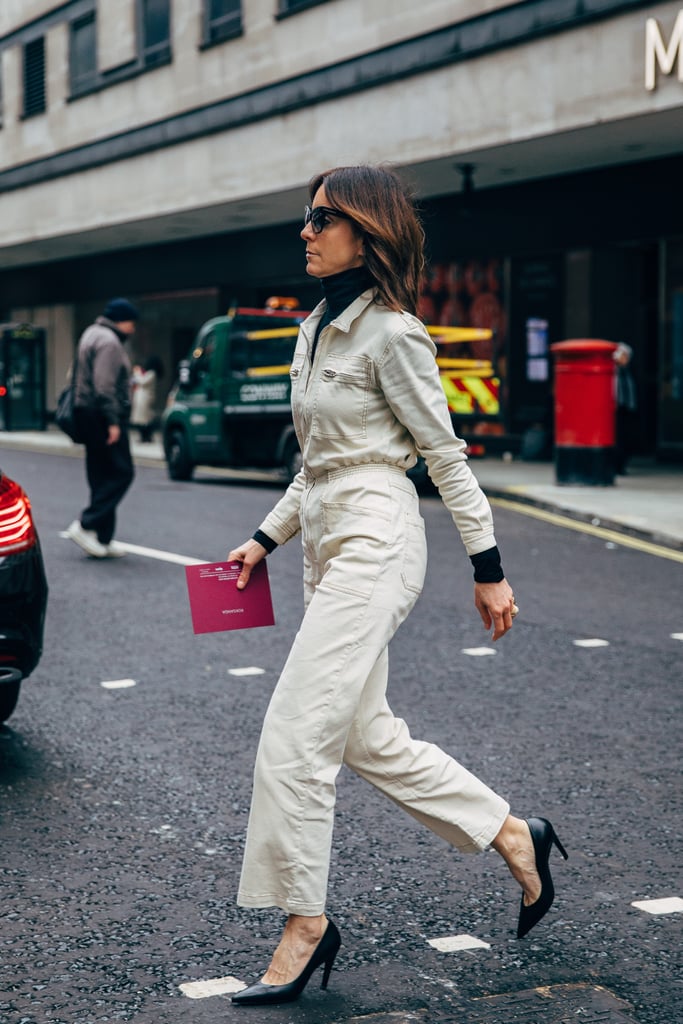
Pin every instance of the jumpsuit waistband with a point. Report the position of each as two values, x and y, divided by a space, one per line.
344 471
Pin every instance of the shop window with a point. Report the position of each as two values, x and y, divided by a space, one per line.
83 53
286 7
156 31
34 77
222 19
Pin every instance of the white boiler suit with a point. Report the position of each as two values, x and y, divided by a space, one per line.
369 403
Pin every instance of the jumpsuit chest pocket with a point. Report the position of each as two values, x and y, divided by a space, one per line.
342 389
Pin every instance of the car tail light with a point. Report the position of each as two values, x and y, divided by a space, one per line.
17 532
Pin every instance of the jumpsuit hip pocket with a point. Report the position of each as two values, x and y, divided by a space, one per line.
414 560
411 531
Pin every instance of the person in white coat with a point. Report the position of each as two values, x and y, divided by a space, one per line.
144 383
366 401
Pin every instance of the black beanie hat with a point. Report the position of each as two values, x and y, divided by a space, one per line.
118 310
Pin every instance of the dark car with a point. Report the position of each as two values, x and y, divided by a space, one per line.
23 593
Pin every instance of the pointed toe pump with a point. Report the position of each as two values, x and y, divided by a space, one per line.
323 954
543 836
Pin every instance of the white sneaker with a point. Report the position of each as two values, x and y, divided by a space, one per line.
115 550
86 540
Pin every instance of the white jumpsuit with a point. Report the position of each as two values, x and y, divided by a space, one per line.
369 404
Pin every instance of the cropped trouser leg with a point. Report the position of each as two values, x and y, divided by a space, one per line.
431 786
329 705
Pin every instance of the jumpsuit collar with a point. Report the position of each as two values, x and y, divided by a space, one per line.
345 320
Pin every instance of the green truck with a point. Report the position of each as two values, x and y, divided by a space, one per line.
230 406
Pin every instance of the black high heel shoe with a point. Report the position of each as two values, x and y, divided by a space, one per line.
264 995
542 836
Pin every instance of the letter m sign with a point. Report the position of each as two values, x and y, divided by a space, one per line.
657 53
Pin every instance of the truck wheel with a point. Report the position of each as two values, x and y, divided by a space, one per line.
178 458
293 459
10 684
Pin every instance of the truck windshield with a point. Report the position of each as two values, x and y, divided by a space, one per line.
262 345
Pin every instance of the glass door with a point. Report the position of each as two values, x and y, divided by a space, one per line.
23 377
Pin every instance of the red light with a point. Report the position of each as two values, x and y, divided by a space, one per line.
3 390
17 532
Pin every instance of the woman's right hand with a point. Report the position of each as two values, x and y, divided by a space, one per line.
249 554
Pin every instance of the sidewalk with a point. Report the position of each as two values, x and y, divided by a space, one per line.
648 502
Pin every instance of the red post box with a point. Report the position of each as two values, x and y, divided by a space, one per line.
585 411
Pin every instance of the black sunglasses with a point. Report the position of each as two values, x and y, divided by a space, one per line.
319 216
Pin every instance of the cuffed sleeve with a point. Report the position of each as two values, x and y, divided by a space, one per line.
265 541
487 566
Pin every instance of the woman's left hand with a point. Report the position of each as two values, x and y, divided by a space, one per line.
496 604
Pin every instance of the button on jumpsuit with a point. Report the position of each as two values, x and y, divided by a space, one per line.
371 402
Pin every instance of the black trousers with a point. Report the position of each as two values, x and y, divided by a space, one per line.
110 472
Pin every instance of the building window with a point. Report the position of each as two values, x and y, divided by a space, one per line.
34 77
156 31
286 7
83 53
222 19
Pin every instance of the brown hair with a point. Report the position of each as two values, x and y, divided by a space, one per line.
383 211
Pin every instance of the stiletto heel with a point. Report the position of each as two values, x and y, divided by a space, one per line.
543 836
325 953
328 969
559 845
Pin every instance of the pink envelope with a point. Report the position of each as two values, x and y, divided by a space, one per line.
216 604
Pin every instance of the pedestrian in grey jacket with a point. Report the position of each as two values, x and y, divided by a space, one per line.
102 409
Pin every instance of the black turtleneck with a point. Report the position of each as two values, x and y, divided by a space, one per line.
339 291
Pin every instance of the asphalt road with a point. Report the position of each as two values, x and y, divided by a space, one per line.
124 810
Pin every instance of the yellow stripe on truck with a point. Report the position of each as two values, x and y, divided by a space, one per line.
453 335
488 402
460 402
273 332
468 395
268 371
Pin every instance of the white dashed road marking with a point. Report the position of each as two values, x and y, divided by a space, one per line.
591 642
669 905
454 943
477 652
117 684
162 556
677 636
249 670
212 987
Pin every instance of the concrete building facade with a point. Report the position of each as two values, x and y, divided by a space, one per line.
161 149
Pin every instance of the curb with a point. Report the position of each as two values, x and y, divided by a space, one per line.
510 494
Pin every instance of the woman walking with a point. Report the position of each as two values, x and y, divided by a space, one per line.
366 400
